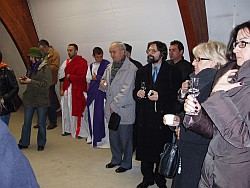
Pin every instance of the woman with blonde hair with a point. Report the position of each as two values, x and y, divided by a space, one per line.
227 113
208 58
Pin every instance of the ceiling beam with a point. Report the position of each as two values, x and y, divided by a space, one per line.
15 16
194 18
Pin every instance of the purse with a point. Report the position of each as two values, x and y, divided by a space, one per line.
114 121
169 160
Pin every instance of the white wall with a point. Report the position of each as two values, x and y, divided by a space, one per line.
11 55
97 23
91 23
223 15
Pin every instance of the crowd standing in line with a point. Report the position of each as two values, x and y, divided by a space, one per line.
91 97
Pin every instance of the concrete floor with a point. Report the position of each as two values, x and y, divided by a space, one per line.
71 163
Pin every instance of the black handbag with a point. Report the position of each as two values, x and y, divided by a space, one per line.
114 121
169 160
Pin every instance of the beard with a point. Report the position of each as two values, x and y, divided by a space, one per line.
151 59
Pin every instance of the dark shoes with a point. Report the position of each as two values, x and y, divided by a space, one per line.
121 169
36 126
66 134
21 146
40 148
110 165
144 185
51 126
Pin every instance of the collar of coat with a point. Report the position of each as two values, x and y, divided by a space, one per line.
44 63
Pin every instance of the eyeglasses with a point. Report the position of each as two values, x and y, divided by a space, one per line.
240 44
198 59
153 51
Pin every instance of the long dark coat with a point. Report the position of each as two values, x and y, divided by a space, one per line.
152 134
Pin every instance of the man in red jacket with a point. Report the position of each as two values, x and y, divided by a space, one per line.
72 75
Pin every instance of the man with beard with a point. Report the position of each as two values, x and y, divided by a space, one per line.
72 76
155 91
118 82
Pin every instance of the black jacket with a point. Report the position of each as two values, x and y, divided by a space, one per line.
152 134
8 88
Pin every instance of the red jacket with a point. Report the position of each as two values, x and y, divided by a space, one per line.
77 70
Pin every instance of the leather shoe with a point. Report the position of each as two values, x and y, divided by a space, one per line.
144 185
110 165
40 148
121 169
66 134
36 126
51 126
21 146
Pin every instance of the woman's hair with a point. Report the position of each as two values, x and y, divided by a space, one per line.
213 50
230 55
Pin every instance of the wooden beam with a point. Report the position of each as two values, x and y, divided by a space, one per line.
194 18
15 16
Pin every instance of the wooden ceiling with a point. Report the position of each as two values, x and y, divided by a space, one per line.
16 17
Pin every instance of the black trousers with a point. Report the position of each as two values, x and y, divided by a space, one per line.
150 174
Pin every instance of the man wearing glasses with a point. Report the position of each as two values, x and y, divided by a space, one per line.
155 91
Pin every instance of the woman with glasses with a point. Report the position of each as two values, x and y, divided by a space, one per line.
227 111
208 58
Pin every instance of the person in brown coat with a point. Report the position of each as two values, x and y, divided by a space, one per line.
53 59
227 163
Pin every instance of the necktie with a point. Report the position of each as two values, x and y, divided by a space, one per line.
155 72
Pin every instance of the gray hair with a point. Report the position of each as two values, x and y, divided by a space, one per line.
119 44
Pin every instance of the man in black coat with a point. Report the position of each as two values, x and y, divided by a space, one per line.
155 91
176 51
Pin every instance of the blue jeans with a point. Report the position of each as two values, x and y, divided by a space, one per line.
54 105
26 130
5 118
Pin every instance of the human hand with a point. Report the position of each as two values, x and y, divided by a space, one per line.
223 82
24 80
103 84
141 93
153 95
94 76
185 86
191 105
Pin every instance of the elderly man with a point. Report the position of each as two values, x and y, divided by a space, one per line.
118 82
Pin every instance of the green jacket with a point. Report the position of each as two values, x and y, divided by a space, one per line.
37 92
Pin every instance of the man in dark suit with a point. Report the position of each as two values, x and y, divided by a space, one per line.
128 54
155 91
176 51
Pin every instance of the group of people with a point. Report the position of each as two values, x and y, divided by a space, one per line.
213 133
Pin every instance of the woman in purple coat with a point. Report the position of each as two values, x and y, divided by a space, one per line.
227 113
